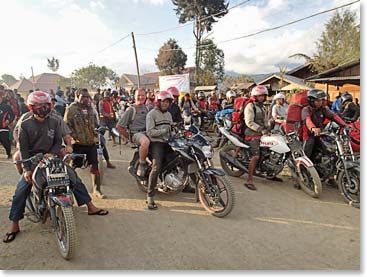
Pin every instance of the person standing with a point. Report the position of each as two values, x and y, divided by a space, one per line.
81 119
6 118
107 114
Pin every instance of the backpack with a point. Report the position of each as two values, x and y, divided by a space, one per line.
294 116
239 106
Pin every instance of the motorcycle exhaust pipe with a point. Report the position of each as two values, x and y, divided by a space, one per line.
231 160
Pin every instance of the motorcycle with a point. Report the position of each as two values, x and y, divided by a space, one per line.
334 156
51 196
276 151
190 158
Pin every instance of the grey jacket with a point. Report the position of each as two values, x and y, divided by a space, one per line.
255 122
159 125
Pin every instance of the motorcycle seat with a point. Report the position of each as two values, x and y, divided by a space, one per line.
241 139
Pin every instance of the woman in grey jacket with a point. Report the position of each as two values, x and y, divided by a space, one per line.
159 122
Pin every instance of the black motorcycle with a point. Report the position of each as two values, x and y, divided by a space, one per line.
190 159
333 156
51 196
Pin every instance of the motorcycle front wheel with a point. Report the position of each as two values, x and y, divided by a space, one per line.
66 231
219 198
310 181
350 192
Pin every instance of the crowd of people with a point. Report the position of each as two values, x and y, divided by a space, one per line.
58 123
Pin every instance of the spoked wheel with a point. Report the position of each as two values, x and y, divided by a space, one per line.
66 231
142 184
350 192
30 205
100 167
231 170
219 199
310 181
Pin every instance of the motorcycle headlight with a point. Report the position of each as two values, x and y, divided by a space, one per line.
208 151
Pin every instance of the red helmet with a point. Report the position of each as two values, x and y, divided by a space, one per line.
38 97
173 91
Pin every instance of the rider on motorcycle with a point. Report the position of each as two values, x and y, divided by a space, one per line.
187 104
256 122
313 117
159 122
132 126
351 111
40 133
174 109
229 101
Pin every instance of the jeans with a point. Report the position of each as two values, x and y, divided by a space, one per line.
23 189
158 151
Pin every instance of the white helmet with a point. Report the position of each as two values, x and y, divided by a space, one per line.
259 90
230 93
279 96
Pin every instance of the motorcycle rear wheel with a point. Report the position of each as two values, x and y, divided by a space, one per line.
312 184
213 200
351 193
228 168
66 231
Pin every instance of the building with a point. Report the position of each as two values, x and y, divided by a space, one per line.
345 77
287 83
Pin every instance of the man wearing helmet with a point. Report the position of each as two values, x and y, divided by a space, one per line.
351 111
313 117
202 107
6 118
40 133
187 103
81 120
173 108
159 122
279 111
229 101
256 122
213 101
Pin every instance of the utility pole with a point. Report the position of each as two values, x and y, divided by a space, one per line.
136 59
32 78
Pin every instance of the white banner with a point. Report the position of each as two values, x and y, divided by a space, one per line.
180 81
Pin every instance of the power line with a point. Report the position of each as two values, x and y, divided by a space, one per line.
113 44
269 29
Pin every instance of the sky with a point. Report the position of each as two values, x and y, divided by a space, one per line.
79 32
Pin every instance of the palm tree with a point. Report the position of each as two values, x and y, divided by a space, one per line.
53 64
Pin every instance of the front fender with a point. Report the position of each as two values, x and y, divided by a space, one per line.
214 171
351 164
304 161
62 200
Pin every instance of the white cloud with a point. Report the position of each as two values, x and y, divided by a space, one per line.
264 52
96 5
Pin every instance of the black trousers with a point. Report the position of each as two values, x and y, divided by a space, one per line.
159 151
5 141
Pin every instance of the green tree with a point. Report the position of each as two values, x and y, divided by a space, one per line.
203 13
94 76
171 59
212 64
53 64
8 79
339 42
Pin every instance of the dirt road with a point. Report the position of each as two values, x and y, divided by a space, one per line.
276 227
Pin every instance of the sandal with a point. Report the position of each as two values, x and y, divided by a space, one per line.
10 236
99 212
250 186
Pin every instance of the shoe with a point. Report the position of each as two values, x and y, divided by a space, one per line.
250 186
151 205
99 195
9 157
142 169
109 165
188 189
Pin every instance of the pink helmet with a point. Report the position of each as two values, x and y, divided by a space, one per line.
259 90
161 96
38 97
173 91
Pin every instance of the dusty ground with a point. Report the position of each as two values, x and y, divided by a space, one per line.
276 227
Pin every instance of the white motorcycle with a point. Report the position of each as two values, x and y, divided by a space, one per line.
276 151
